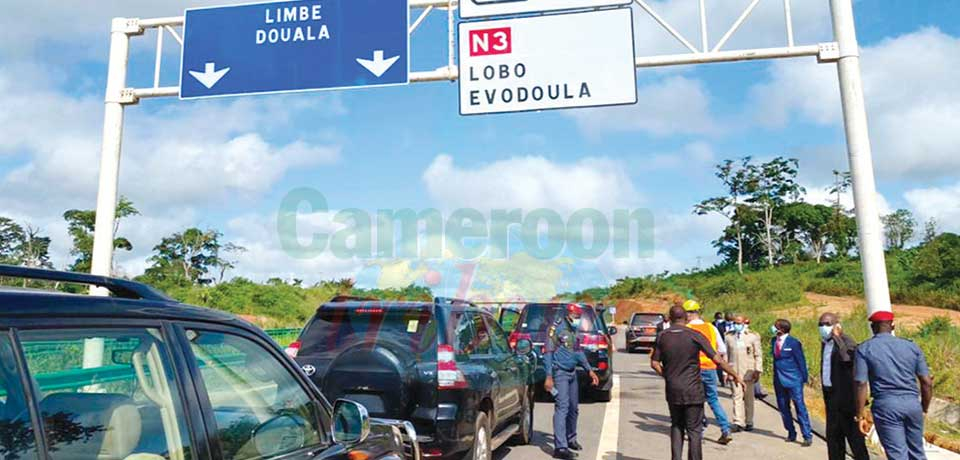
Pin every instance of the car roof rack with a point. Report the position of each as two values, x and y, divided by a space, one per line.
119 288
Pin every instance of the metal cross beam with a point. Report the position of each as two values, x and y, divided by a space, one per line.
845 52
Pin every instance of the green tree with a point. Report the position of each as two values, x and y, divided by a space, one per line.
80 226
223 263
186 258
898 228
939 260
34 249
769 186
843 229
734 176
808 224
11 236
930 230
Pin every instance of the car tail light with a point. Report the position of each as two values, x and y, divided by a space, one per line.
293 349
602 366
594 342
432 453
516 337
448 375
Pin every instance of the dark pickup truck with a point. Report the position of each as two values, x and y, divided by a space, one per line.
446 366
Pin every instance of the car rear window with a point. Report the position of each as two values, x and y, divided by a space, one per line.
336 327
541 317
640 320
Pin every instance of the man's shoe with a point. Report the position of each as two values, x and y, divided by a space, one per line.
789 439
748 428
807 442
574 445
737 429
724 439
564 454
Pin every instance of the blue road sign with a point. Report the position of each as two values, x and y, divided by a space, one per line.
294 46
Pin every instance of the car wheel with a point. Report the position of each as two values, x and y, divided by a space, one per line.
481 440
525 435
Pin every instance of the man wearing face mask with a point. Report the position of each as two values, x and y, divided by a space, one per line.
563 356
746 358
789 376
836 374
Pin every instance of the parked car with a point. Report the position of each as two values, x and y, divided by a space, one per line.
595 338
445 365
643 329
138 375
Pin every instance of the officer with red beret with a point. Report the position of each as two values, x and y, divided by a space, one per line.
899 381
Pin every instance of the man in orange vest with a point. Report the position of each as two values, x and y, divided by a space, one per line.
708 369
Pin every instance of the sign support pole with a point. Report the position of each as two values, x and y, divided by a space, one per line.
870 232
102 257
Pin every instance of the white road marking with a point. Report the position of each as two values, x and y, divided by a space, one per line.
610 433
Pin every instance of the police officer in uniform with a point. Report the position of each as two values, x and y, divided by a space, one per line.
562 357
892 367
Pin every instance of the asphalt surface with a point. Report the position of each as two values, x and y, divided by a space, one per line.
637 425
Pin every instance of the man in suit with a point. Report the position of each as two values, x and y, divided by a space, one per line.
838 353
746 358
789 376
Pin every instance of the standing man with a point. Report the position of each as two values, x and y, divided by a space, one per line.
562 357
708 368
836 374
746 358
789 376
676 357
892 367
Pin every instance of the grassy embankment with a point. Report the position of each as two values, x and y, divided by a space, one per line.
781 292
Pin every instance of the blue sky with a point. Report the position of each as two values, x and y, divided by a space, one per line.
226 164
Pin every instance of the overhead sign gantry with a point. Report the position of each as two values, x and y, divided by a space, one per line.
209 70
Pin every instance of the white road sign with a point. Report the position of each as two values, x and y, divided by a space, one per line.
483 8
547 62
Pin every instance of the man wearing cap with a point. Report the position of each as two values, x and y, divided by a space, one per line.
892 367
561 359
708 368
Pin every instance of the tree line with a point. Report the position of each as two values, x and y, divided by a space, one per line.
769 223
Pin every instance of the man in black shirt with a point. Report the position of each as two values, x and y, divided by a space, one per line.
676 357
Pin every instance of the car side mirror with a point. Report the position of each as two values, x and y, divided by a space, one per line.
612 330
351 422
524 347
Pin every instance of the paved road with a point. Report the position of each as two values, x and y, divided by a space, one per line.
637 426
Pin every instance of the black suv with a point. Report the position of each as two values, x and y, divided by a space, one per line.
595 339
138 375
444 365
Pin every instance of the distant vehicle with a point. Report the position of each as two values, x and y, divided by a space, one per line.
446 366
595 338
139 375
643 329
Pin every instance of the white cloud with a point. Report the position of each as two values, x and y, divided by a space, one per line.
912 95
674 105
819 194
530 182
940 203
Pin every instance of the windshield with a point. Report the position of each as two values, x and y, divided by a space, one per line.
334 328
644 320
538 318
